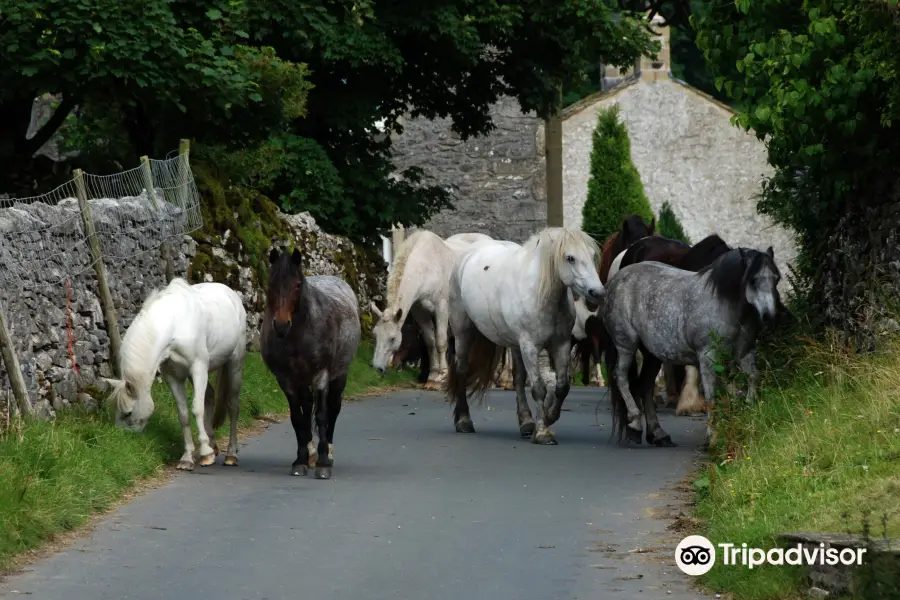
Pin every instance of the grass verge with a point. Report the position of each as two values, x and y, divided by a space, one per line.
55 475
821 452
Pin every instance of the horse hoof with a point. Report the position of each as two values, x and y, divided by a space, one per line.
465 427
184 465
544 438
526 430
231 461
208 460
634 435
323 472
661 442
298 470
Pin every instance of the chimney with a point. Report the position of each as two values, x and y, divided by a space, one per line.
654 70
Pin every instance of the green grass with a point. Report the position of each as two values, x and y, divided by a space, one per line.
819 453
55 475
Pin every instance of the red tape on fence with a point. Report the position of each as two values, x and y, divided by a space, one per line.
69 327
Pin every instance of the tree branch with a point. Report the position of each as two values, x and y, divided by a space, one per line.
29 147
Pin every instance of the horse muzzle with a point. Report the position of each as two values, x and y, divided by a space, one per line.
281 327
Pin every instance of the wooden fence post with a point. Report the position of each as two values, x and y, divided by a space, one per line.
147 176
13 371
553 146
109 309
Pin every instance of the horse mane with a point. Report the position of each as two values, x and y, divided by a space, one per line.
141 334
549 245
399 265
727 274
704 252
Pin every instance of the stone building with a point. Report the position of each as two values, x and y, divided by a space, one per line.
682 142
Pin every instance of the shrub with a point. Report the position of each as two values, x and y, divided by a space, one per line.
614 189
669 226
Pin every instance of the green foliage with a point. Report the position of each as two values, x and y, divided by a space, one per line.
614 189
819 82
669 226
234 76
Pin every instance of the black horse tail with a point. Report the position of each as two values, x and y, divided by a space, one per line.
484 358
617 402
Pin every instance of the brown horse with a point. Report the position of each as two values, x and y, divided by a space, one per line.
413 350
310 334
633 229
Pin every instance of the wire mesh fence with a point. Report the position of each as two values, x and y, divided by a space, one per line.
45 239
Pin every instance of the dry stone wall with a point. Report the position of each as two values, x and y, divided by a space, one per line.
52 322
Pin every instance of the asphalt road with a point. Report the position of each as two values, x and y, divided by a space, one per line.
414 511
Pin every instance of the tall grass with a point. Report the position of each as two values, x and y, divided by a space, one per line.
55 475
820 452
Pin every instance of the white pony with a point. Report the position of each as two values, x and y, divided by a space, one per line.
503 295
418 285
183 331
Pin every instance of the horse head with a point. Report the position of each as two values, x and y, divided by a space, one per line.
750 277
134 403
286 283
574 255
760 282
388 332
633 229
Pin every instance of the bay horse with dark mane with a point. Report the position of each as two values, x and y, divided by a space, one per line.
310 334
633 229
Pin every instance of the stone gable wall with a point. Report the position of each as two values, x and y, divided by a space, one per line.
687 152
497 180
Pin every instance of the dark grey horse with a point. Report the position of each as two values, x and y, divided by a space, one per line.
671 315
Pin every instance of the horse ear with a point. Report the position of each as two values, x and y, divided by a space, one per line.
129 389
375 310
399 315
770 251
297 257
273 256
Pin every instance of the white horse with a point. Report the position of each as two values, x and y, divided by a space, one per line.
503 295
183 331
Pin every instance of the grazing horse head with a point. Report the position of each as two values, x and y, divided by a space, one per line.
570 257
285 289
747 277
388 332
134 403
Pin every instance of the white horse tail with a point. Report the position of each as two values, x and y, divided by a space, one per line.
484 358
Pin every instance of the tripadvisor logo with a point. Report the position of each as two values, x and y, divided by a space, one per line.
696 555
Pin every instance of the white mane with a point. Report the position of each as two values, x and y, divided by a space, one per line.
550 246
395 277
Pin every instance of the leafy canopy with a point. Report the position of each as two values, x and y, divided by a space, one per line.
818 82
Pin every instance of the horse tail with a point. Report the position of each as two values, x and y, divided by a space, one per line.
484 358
222 396
616 400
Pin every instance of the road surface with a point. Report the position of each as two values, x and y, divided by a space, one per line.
414 511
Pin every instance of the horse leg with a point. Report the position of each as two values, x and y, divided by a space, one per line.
690 400
624 362
300 404
209 403
200 377
177 387
324 462
234 372
441 325
456 380
523 412
656 435
559 354
747 364
708 379
428 334
584 353
529 353
335 394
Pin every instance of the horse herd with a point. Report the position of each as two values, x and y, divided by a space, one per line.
480 306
